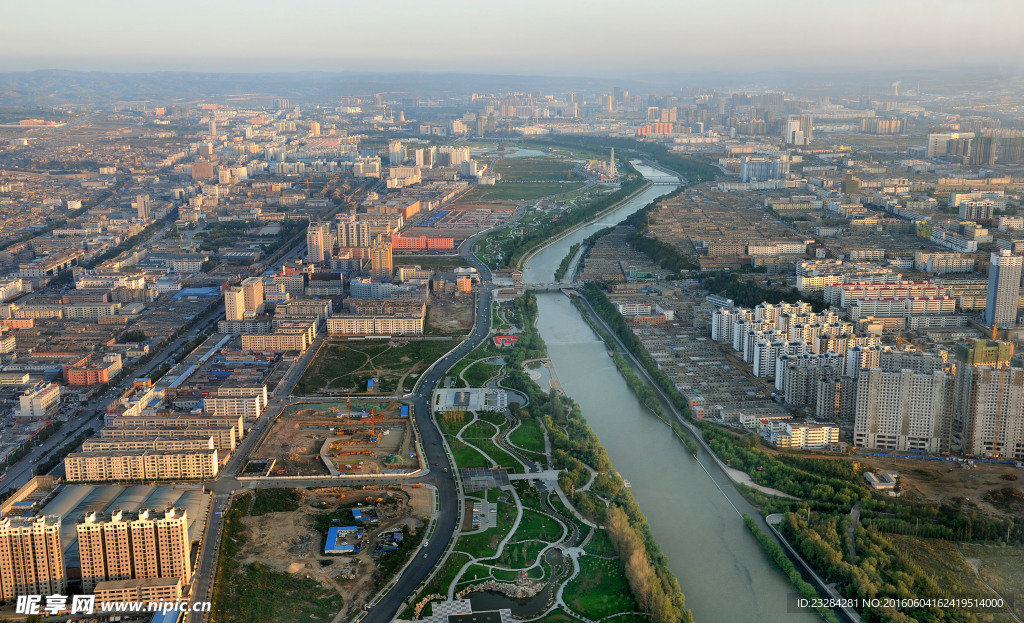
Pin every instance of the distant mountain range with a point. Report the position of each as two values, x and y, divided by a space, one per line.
49 88
56 87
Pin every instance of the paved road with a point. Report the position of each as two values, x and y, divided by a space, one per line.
21 472
433 450
439 472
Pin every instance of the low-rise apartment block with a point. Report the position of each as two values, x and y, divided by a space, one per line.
39 402
141 465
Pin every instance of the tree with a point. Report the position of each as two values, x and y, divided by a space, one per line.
134 336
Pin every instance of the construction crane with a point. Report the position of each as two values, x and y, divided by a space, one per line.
900 340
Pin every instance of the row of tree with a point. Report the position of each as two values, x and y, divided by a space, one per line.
513 249
577 451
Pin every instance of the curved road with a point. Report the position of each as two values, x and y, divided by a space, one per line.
439 471
441 475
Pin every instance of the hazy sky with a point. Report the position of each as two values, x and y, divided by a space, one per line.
581 37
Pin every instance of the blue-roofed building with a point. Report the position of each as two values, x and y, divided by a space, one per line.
343 540
198 292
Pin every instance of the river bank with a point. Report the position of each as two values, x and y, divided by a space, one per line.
694 512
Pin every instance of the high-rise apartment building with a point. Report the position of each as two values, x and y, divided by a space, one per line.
353 233
381 263
318 242
142 545
1003 289
904 410
234 303
396 153
252 288
798 129
989 416
31 557
143 208
245 299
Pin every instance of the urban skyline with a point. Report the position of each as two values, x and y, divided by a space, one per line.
403 312
539 38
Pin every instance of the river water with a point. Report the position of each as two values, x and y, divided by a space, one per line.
693 510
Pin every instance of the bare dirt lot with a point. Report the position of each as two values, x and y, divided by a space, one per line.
292 542
995 488
357 445
449 314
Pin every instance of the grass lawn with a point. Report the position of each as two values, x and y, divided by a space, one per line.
505 575
479 430
940 561
446 575
529 436
483 544
479 373
467 456
347 366
600 590
518 191
557 616
556 503
475 574
275 501
265 596
600 544
502 458
532 169
535 525
451 423
493 417
1003 569
522 554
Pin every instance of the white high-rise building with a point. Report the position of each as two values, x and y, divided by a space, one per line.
722 325
1003 289
904 410
318 242
353 233
989 417
252 288
143 207
234 303
245 299
453 156
396 153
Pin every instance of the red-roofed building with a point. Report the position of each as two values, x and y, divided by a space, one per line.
501 341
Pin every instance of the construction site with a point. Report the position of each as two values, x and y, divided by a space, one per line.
339 438
292 537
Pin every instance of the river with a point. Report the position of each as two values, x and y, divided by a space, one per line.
693 510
